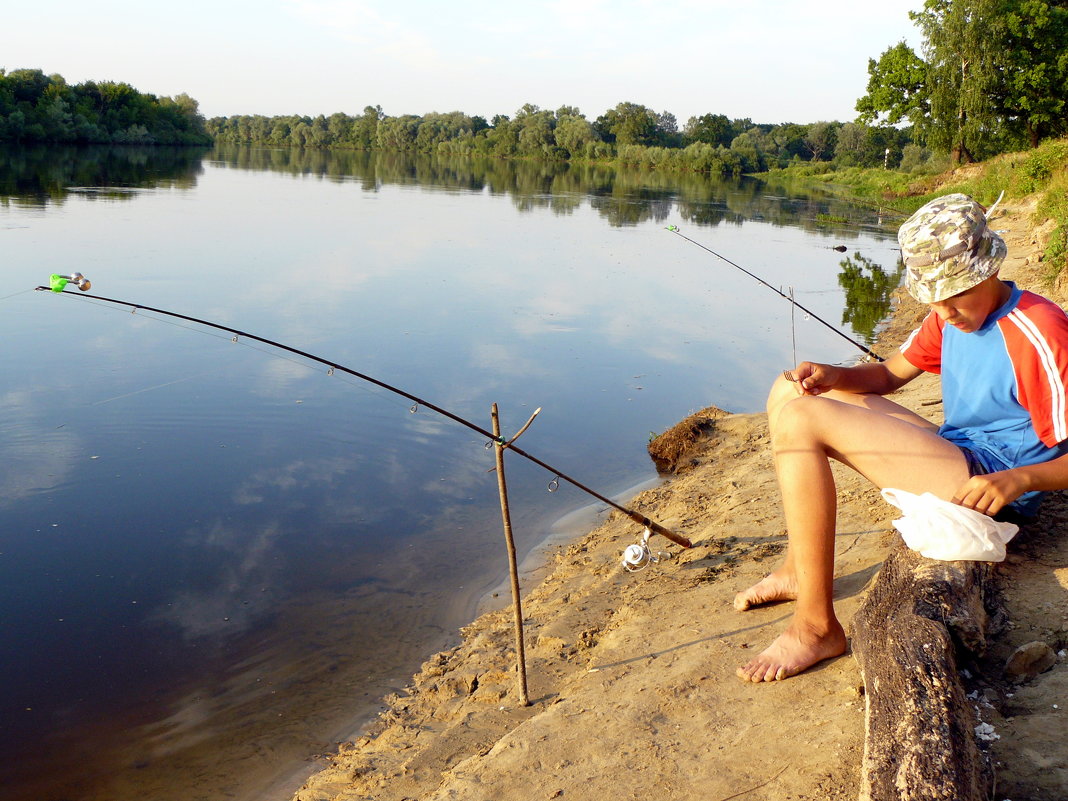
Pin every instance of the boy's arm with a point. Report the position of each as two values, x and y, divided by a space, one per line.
878 378
989 493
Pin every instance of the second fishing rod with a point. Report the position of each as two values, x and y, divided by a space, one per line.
864 348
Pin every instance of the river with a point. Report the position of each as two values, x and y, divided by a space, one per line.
215 558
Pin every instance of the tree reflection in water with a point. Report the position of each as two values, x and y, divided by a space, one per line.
867 293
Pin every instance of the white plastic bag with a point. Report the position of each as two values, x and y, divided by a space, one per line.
942 530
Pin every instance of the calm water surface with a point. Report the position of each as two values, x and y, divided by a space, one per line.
215 560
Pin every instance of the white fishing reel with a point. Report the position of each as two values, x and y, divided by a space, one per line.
639 556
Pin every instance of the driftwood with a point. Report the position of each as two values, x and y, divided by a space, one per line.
920 743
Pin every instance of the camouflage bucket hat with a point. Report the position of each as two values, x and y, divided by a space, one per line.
948 248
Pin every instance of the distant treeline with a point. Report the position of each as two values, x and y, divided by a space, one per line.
629 134
991 77
38 108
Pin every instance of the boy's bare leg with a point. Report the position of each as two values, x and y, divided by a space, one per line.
879 439
781 585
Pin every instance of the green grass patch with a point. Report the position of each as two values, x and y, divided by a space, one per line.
1054 206
832 219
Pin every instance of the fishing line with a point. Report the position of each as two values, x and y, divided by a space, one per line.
58 287
793 327
150 389
16 294
675 230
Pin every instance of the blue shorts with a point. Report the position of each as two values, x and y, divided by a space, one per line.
1022 510
975 464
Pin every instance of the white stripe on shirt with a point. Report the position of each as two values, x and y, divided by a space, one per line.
1049 364
908 342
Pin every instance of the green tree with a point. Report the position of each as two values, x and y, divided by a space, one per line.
1036 67
365 127
339 126
850 147
748 152
786 142
912 158
819 139
573 133
534 130
398 133
667 130
963 42
629 124
56 119
712 129
27 86
897 88
502 139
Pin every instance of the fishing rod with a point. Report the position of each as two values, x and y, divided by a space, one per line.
59 282
675 230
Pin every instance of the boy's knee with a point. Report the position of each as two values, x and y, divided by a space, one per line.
782 392
798 416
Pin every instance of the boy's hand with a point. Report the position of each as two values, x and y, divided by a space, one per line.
989 493
812 378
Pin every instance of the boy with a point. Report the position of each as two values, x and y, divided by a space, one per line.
1003 358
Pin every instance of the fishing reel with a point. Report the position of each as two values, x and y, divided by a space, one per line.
640 556
58 282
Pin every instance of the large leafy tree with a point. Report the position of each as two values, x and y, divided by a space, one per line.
713 129
897 88
787 141
964 39
994 74
820 139
1036 67
629 124
573 131
365 127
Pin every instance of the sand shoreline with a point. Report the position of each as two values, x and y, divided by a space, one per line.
631 675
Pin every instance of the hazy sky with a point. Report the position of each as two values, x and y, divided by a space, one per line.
770 60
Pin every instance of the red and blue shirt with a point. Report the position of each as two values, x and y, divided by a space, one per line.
1005 385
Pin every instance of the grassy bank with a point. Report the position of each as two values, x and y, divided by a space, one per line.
1042 172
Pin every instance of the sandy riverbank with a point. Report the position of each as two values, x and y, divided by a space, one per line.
631 675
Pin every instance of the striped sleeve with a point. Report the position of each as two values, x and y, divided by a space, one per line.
1036 336
923 348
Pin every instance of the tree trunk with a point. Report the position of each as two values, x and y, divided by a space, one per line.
920 741
961 154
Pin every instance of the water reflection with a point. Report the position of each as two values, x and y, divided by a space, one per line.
868 289
622 197
41 175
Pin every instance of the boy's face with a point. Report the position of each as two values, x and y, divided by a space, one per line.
967 310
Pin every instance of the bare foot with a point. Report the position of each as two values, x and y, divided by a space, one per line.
798 648
777 586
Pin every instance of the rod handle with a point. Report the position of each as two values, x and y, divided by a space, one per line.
656 528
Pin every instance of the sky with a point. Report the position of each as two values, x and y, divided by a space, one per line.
772 61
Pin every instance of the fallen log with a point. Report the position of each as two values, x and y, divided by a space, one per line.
920 742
